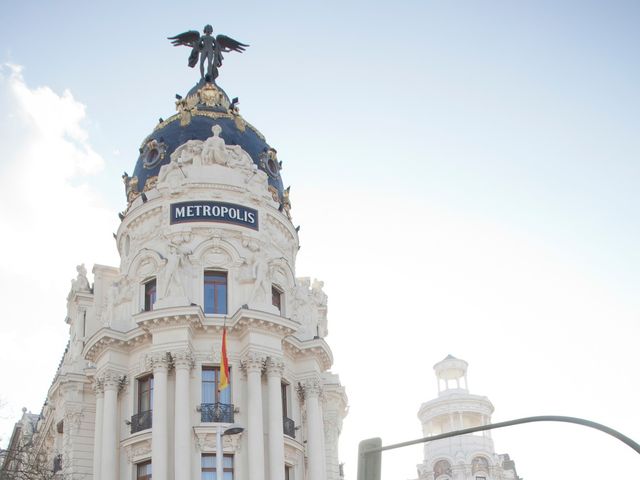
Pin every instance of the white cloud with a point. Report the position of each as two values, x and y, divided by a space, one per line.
51 221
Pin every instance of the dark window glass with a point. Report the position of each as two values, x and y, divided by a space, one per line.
145 393
209 467
215 292
149 294
210 381
284 388
143 471
276 297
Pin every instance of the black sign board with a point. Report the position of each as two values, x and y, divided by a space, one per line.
204 211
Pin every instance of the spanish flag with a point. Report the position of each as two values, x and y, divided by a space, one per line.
224 363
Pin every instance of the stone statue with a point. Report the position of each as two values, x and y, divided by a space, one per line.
176 262
214 149
80 283
208 48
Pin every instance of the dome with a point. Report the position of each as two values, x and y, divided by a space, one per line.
205 106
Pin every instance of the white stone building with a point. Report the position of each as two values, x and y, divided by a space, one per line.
464 457
206 241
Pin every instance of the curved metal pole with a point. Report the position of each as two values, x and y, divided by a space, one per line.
542 418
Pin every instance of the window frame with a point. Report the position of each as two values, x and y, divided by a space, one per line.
277 292
214 384
149 294
216 308
213 470
146 475
140 381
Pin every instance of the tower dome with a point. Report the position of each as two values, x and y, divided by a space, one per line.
204 107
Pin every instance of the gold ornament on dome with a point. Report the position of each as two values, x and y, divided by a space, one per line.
274 193
185 108
211 96
150 183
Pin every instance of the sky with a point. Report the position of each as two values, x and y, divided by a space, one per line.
464 174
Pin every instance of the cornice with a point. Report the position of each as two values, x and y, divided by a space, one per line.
316 347
170 317
105 339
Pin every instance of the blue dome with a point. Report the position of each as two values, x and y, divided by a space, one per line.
203 114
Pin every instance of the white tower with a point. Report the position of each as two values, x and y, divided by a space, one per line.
465 457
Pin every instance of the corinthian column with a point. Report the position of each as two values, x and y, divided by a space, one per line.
97 433
275 367
159 363
252 365
111 383
183 362
315 452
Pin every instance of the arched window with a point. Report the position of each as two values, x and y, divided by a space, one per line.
479 465
442 469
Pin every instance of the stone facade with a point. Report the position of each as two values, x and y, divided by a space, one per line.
465 457
135 383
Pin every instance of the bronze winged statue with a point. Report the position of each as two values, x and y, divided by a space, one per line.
208 47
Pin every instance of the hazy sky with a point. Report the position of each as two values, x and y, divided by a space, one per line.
465 174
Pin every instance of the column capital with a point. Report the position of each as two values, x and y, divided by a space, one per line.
253 362
310 387
274 366
182 359
158 361
98 387
111 379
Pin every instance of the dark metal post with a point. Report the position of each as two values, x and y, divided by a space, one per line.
370 459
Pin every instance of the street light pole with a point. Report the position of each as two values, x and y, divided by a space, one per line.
370 449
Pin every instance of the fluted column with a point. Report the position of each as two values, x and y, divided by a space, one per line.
97 432
315 429
275 367
159 363
253 364
183 362
111 383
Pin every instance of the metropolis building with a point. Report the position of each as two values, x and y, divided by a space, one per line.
206 242
463 457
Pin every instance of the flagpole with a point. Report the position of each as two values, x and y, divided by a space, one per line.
219 449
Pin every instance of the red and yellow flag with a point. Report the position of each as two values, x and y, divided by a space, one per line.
224 363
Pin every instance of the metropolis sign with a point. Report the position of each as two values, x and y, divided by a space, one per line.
204 211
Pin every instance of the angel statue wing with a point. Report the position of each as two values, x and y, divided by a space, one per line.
188 39
228 44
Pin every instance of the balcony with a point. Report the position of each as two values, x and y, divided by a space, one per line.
141 421
216 412
289 427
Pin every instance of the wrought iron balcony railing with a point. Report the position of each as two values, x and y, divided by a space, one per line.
289 427
141 421
57 463
216 412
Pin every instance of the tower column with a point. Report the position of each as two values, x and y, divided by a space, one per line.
312 391
183 362
275 367
253 364
159 429
111 382
97 433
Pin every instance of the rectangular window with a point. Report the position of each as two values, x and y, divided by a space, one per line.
215 292
216 405
209 466
149 294
143 470
276 297
288 472
142 419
